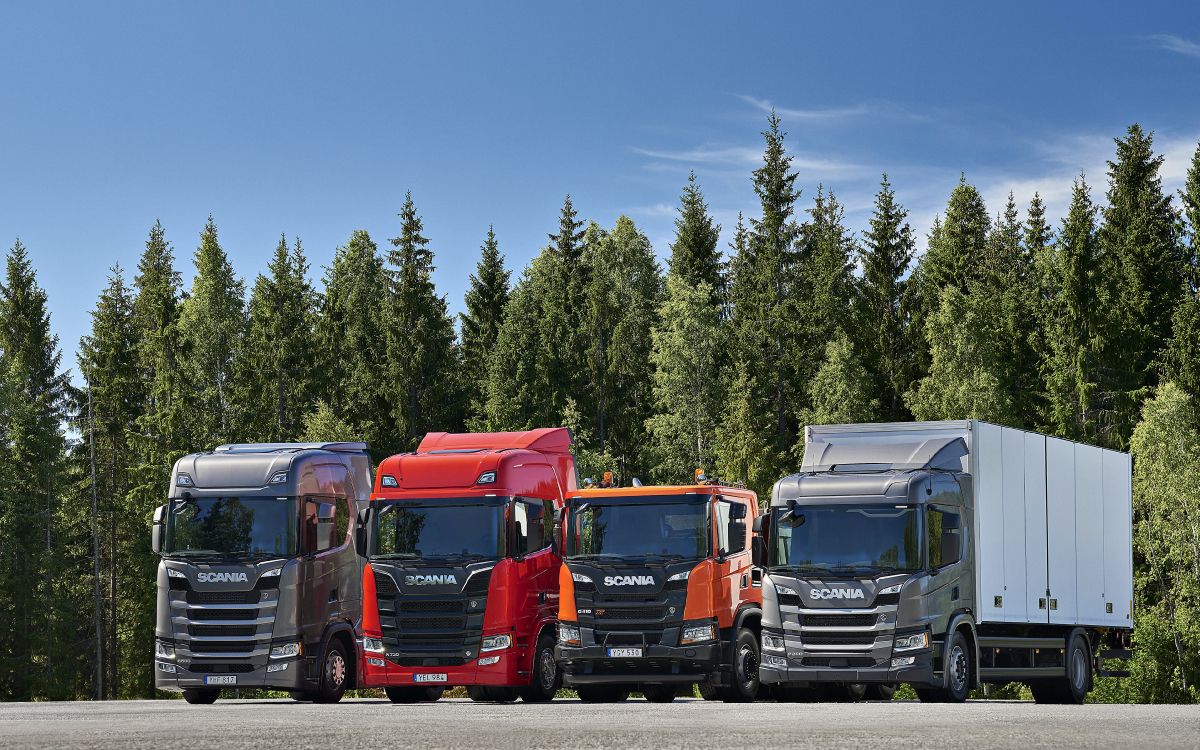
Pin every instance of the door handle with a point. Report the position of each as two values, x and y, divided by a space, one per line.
333 596
541 597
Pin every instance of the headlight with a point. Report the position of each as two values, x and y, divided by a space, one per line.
495 642
164 650
285 650
890 589
374 645
172 573
568 634
784 590
680 576
273 572
773 642
697 633
911 642
580 578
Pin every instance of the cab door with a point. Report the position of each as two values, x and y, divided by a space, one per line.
322 585
733 557
537 563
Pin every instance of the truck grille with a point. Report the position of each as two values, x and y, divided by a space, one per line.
430 630
839 639
223 597
244 631
224 614
222 647
631 613
221 668
848 621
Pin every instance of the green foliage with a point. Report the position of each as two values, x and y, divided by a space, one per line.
486 302
695 257
321 425
842 391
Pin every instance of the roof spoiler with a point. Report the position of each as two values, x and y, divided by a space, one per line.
543 439
291 447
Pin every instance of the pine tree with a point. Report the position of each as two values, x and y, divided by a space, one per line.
212 326
623 297
35 394
883 335
563 322
518 389
694 255
745 450
421 349
350 336
1140 240
821 293
486 301
321 425
276 376
109 366
1183 355
688 386
842 391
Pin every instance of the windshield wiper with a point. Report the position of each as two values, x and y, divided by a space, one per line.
396 556
593 556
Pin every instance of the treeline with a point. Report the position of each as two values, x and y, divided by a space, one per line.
1087 327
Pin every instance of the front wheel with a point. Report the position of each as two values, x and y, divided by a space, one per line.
414 694
335 673
743 676
602 693
200 696
660 693
546 678
960 671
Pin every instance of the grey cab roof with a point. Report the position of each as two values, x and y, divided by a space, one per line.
251 465
941 452
342 447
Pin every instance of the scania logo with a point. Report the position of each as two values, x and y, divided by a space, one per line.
236 577
836 594
431 580
628 580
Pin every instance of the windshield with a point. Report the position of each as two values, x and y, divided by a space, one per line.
639 529
232 527
472 528
846 540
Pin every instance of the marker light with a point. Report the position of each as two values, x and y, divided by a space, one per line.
701 477
580 578
487 477
890 589
279 477
784 590
680 576
184 480
387 480
172 573
272 573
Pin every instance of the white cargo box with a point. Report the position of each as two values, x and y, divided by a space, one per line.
1053 527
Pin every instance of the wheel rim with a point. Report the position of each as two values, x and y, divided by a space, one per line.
546 663
958 669
747 665
335 669
1078 670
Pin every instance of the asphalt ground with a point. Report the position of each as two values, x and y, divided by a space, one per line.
459 723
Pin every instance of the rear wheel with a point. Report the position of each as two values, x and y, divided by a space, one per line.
1075 685
413 694
491 694
602 693
546 678
660 693
200 696
743 676
335 673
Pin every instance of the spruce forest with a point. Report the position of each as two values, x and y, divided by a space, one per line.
1085 326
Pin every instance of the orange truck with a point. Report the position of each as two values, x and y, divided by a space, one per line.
658 593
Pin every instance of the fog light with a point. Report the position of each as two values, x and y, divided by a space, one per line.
164 667
285 650
903 661
277 667
486 660
495 642
374 662
774 662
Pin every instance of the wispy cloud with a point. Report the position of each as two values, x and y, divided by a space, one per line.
747 156
817 114
1176 44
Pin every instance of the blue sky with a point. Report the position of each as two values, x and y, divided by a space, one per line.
313 119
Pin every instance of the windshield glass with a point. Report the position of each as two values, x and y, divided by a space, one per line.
639 529
846 540
232 527
468 527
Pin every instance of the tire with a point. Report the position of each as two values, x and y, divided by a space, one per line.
413 694
1076 684
709 691
660 693
546 678
743 676
200 696
602 693
960 673
335 674
300 696
491 694
880 692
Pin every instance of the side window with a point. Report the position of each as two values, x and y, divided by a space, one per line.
943 533
547 522
731 534
535 526
722 520
326 522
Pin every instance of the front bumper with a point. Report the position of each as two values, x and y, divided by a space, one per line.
590 665
920 672
293 677
511 669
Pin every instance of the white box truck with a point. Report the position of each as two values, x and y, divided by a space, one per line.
945 555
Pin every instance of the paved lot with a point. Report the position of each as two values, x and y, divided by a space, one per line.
569 724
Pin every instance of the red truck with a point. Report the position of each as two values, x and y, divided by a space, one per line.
461 583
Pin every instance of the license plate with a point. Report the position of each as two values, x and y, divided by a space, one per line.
220 679
622 653
429 678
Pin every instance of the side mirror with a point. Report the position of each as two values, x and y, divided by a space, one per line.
758 552
360 531
737 512
556 540
156 529
758 524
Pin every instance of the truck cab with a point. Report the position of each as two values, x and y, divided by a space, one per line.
659 594
462 581
259 583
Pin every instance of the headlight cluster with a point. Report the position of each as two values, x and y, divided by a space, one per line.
374 645
890 589
784 590
911 642
568 634
495 642
773 642
681 576
163 650
580 578
286 650
697 633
